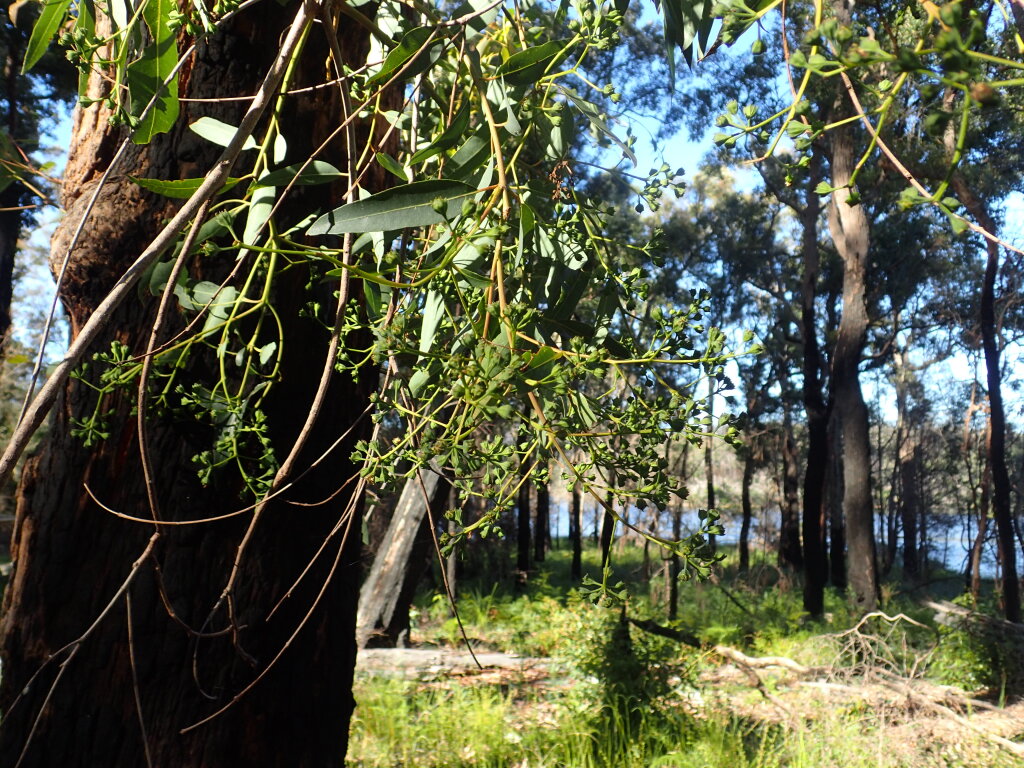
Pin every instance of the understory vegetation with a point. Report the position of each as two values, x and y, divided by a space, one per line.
594 685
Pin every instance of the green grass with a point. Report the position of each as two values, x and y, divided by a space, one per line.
634 700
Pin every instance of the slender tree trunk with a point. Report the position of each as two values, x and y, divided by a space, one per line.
984 508
709 465
542 525
1001 511
813 514
848 225
523 531
675 564
834 506
748 477
382 589
607 532
790 553
158 661
908 461
576 533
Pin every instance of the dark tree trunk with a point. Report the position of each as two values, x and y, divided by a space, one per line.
1001 510
834 505
675 563
607 532
144 674
542 524
790 553
908 460
576 533
523 531
815 561
709 465
848 225
748 513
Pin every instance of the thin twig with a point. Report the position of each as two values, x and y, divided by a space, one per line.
135 680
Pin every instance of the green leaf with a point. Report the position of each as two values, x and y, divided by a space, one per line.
262 203
86 21
433 311
591 112
45 28
412 56
147 75
392 166
529 66
471 155
219 133
300 174
409 205
824 188
686 22
267 351
451 136
180 189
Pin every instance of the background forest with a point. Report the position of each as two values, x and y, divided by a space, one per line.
630 386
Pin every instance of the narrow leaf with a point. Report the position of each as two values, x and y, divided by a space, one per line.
451 136
219 133
181 189
409 205
45 28
316 172
529 66
433 311
392 166
412 56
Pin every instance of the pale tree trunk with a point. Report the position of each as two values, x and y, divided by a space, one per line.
159 662
382 590
848 225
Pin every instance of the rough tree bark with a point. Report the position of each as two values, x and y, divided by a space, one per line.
158 662
849 228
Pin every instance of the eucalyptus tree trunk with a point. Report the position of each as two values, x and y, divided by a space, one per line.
908 465
748 512
159 660
576 533
813 514
790 554
607 532
523 531
542 523
709 464
1001 509
385 586
849 228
